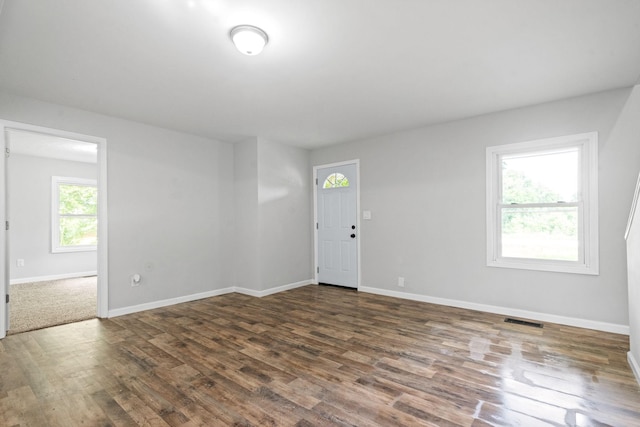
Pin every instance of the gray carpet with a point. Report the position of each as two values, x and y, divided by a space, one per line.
43 304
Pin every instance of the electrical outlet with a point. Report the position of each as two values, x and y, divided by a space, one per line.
20 263
136 279
401 282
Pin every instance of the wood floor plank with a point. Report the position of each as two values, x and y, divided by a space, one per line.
315 356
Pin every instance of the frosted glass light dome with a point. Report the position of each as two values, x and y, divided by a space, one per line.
248 39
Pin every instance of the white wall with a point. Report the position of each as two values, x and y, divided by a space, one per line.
426 191
170 202
30 213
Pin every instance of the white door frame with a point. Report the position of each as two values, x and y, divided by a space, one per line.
103 288
355 162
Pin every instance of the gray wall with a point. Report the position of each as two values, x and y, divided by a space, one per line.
628 128
170 213
273 216
170 202
190 214
284 186
633 257
179 205
247 258
426 191
30 213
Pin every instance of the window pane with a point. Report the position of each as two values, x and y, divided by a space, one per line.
336 180
78 199
75 231
540 178
540 233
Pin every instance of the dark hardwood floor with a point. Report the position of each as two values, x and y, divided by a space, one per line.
315 356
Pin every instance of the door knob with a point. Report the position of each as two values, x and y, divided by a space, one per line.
353 227
353 236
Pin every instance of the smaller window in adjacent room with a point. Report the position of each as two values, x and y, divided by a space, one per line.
74 216
542 200
336 180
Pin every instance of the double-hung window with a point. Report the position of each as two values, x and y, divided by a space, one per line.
542 200
74 214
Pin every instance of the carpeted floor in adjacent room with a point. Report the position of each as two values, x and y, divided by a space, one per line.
56 302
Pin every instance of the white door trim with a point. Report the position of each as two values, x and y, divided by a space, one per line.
103 280
355 162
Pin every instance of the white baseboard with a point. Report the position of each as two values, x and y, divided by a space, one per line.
634 366
570 321
272 291
187 298
52 277
167 302
505 311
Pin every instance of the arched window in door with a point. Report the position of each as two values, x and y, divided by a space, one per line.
336 180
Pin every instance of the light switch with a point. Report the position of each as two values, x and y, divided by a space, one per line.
366 214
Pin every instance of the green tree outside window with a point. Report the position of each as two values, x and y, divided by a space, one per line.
76 215
78 210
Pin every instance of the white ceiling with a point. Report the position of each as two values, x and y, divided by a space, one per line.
53 147
333 71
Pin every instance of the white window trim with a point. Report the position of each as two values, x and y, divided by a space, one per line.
55 216
589 259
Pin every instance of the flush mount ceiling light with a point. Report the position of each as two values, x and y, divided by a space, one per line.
248 39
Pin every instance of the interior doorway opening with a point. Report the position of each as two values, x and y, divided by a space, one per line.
54 262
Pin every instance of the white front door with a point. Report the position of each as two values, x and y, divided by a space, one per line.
337 215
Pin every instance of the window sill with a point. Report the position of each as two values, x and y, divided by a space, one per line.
73 249
536 265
